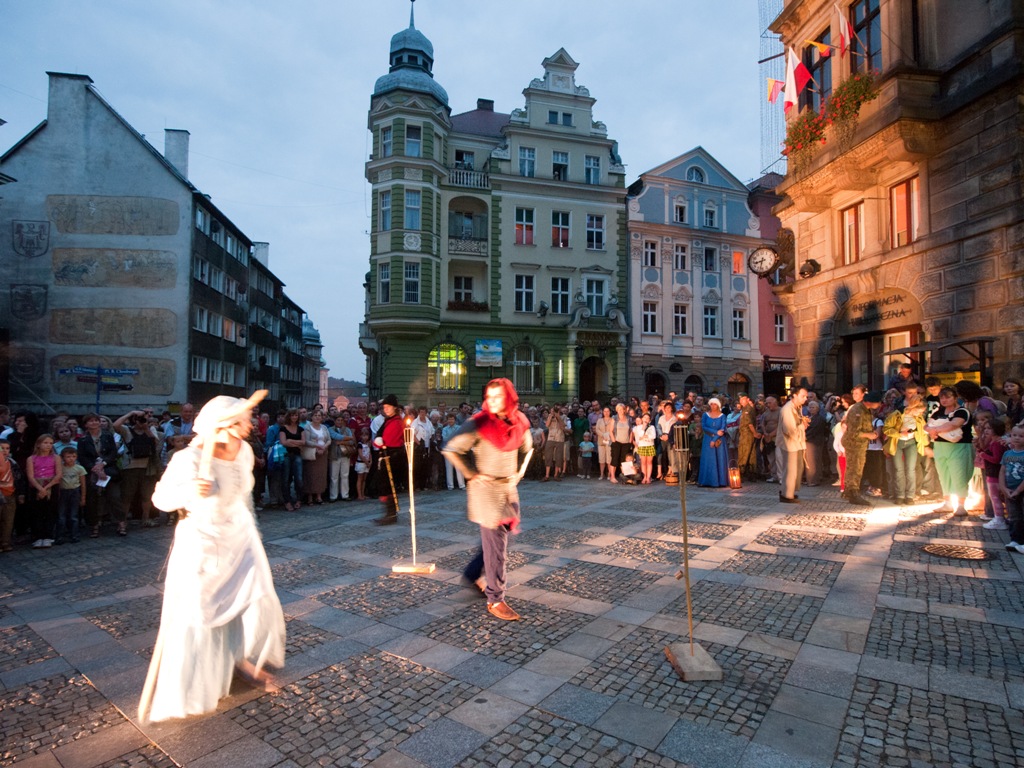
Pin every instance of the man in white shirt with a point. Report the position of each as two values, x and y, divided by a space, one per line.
422 431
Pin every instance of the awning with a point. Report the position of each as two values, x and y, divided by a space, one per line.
981 355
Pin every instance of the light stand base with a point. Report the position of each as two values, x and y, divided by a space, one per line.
699 666
413 568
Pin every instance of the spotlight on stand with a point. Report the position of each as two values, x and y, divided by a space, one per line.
809 268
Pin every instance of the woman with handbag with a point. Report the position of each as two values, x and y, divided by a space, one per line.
292 437
714 456
315 458
950 430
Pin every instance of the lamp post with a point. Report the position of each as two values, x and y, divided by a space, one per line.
408 436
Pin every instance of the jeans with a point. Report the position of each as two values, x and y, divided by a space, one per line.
490 561
1015 517
905 464
68 504
291 478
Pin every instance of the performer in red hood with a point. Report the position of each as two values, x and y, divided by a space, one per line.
491 449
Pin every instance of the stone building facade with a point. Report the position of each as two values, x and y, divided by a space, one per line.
498 240
909 228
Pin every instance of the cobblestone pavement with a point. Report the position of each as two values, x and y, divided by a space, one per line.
841 642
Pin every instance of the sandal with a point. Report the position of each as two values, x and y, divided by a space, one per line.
122 529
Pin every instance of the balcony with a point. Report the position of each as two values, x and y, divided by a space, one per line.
470 179
469 246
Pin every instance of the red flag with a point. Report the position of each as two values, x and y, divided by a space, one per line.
774 89
844 32
797 78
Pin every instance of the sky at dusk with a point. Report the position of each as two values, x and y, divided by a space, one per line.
275 97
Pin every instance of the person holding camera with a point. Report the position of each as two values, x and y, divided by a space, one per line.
138 478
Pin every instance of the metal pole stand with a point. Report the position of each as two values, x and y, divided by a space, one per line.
690 661
412 567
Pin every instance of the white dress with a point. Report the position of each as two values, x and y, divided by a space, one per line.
219 602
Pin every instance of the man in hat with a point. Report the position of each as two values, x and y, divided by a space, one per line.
390 470
220 610
491 449
860 430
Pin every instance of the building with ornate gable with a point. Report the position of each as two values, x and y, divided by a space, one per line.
498 239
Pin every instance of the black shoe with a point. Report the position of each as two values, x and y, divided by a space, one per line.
858 500
787 500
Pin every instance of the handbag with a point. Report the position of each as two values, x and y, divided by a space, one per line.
276 455
308 452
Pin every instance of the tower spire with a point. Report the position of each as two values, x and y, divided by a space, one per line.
412 19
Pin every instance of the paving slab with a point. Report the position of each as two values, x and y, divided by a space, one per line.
634 723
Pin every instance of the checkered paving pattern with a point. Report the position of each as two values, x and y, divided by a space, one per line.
636 670
601 520
540 738
401 547
302 637
822 542
48 713
147 757
911 552
713 531
54 569
458 527
799 569
310 570
340 534
651 551
972 647
931 526
20 646
513 559
472 628
132 617
753 610
353 712
595 582
996 594
547 537
101 585
903 727
726 512
836 522
387 595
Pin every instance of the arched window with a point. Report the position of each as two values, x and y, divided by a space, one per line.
446 368
694 383
695 174
526 369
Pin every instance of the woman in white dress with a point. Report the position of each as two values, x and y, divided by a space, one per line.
220 610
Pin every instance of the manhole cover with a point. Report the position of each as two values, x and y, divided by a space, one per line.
957 552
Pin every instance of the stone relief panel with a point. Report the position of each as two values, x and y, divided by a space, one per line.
27 366
147 328
156 375
114 267
96 215
30 238
28 302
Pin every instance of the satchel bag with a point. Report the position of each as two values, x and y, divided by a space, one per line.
276 455
308 452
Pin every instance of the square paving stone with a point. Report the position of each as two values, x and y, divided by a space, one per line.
514 559
725 512
592 581
543 739
548 537
387 595
822 573
850 522
51 712
302 637
824 542
128 618
651 551
104 585
974 647
942 526
311 570
897 725
471 628
458 527
695 530
338 535
353 712
637 671
753 610
912 552
20 646
442 743
601 520
401 548
994 594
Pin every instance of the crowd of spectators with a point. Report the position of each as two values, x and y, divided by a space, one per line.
916 442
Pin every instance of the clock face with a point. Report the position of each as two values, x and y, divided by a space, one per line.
763 260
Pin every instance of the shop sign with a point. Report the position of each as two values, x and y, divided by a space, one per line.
774 365
948 379
877 311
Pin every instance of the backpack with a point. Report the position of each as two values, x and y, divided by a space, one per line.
140 446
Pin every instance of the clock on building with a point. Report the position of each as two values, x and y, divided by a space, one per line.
763 260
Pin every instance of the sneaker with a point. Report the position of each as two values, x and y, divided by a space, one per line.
47 543
1020 548
1012 546
997 524
38 544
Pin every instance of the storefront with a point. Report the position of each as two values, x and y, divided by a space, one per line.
870 326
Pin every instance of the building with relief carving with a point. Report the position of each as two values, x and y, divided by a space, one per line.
498 239
695 305
122 283
908 224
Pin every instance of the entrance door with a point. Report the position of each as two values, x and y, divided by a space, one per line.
738 384
594 380
869 365
654 384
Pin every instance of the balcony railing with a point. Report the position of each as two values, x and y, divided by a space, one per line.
460 177
467 245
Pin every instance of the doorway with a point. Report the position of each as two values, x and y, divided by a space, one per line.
594 380
654 386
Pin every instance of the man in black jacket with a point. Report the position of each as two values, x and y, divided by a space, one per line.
97 452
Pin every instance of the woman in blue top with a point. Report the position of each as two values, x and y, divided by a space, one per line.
714 455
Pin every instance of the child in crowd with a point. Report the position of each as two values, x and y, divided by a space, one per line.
586 456
1011 483
43 477
977 492
991 448
72 496
362 463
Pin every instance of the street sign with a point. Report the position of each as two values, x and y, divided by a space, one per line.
118 387
121 371
92 379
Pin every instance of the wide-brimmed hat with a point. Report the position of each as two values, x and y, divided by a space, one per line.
223 411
